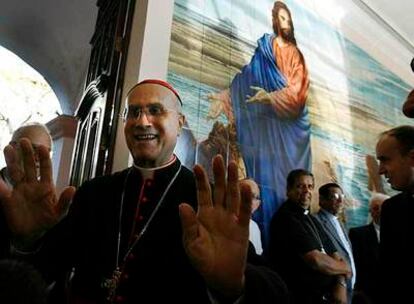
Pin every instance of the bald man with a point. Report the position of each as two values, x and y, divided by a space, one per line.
134 236
38 134
395 152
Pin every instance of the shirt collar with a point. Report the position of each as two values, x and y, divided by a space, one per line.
329 215
148 173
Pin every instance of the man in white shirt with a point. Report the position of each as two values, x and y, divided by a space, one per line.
331 201
255 236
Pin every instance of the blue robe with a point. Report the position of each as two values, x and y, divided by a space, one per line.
271 146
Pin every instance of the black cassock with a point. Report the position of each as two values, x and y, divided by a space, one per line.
157 269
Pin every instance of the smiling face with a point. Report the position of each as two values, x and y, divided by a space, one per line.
301 191
152 135
334 201
395 165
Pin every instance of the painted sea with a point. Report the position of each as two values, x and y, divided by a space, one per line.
352 97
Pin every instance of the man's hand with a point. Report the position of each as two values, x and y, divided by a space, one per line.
343 264
31 207
216 238
339 295
261 96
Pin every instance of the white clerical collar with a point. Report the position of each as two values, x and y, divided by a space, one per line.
148 173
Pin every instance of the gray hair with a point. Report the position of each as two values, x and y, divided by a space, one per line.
376 196
19 132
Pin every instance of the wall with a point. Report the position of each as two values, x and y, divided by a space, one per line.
358 82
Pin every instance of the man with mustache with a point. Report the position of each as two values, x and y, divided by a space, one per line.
301 251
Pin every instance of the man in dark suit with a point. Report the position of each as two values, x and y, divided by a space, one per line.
365 246
395 152
331 201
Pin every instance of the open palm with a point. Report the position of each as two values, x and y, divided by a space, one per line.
32 206
216 238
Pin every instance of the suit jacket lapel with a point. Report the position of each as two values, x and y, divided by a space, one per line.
332 230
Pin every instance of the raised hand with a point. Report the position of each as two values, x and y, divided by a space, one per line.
261 96
216 106
216 238
32 206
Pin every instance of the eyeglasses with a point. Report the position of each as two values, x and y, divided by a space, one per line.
152 111
337 196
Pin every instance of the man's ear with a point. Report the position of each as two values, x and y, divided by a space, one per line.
288 192
181 121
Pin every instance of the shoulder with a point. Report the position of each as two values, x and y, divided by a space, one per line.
355 231
358 229
187 174
283 217
321 217
292 50
267 37
394 203
186 182
185 187
318 215
284 212
318 220
402 196
102 183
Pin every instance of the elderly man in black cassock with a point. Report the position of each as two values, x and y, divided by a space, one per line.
134 236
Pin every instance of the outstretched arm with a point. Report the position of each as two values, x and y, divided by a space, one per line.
220 103
216 237
289 101
31 207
